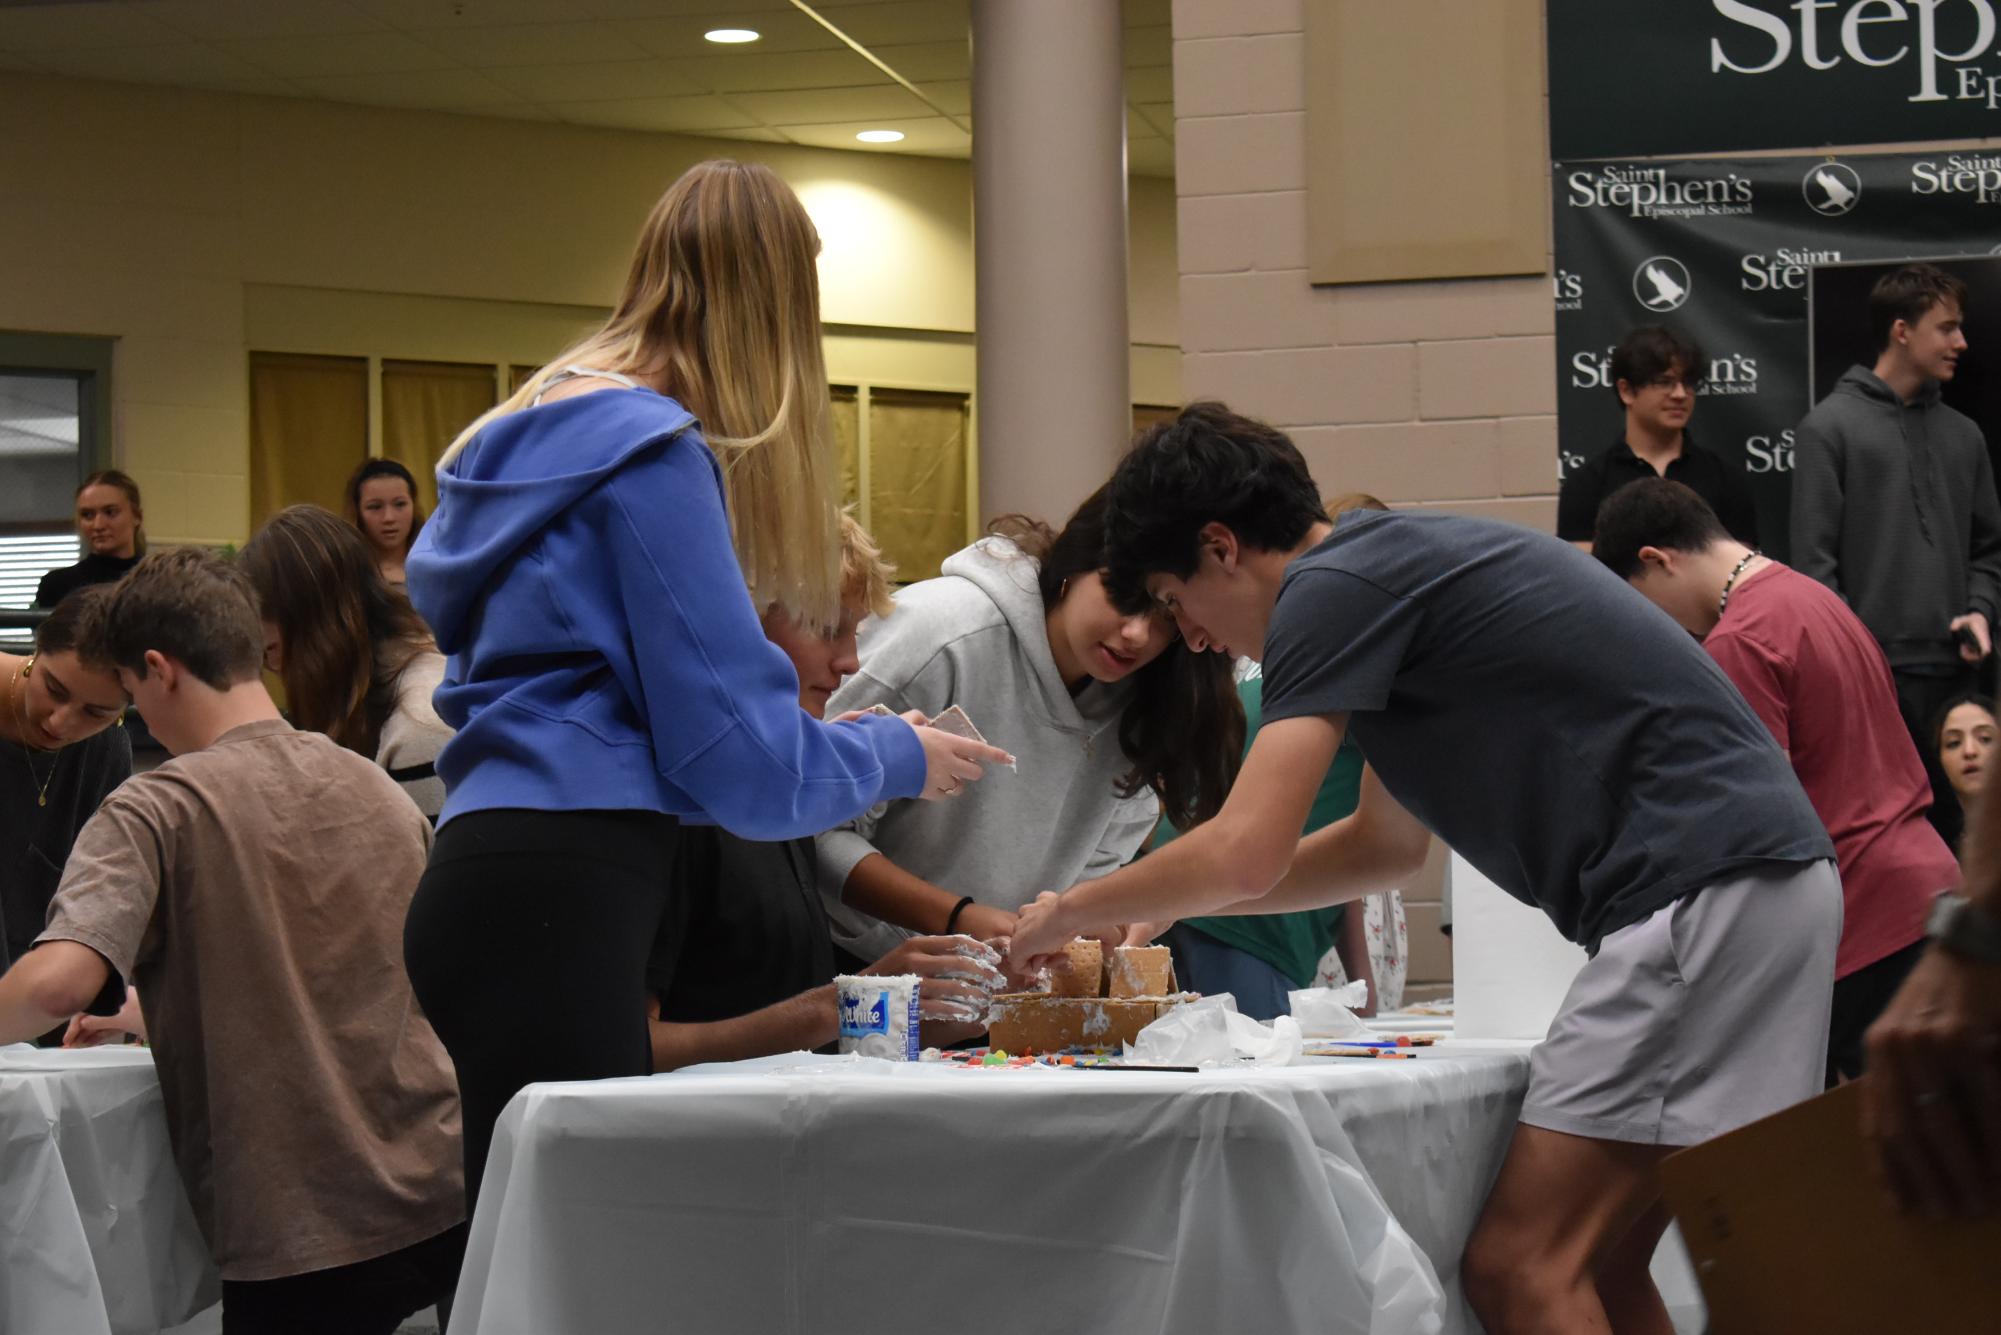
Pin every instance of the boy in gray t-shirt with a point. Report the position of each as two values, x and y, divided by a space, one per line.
1571 742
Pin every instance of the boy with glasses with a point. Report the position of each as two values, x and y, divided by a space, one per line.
1656 372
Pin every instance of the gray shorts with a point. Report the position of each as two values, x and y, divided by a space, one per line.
1709 1014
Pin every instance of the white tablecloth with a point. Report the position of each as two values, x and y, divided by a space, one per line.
96 1237
834 1194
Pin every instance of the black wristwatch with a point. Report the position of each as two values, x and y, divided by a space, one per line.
1966 929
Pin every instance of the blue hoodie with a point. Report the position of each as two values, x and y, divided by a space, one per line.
603 652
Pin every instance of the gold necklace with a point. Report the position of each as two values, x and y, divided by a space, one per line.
21 710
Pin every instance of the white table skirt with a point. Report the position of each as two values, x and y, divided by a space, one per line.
805 1194
96 1237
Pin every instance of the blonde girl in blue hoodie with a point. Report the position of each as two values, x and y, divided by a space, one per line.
607 676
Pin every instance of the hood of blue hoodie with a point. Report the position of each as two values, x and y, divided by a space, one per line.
516 475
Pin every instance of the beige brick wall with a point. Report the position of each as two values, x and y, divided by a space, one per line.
1435 394
1439 394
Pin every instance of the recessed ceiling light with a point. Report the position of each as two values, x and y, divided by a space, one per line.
881 136
731 36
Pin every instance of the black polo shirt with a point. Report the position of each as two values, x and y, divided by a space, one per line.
1703 473
743 928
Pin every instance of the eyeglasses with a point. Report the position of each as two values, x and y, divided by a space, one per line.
1667 383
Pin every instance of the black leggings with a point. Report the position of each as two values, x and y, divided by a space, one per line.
527 944
371 1297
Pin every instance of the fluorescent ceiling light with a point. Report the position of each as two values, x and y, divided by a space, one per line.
881 136
731 36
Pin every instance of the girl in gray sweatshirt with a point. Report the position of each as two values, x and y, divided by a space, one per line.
1109 716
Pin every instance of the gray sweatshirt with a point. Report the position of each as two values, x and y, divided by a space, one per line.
975 637
1894 509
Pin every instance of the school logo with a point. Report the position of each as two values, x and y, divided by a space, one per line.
1832 189
1569 290
1662 284
1769 454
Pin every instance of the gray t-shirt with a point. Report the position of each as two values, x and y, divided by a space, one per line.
1542 718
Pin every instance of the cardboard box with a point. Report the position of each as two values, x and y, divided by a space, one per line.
1789 1230
1033 1022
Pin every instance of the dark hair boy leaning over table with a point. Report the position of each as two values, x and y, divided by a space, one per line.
1513 696
253 890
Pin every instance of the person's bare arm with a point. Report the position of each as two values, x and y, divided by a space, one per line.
1932 1098
1236 857
47 986
795 1024
1379 846
881 889
959 977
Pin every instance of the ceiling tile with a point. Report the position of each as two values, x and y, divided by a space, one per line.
513 111
597 82
681 35
928 62
1150 157
75 27
262 18
1159 116
429 89
955 97
904 22
1149 46
760 135
187 65
415 14
647 9
678 115
337 55
932 135
519 44
782 71
832 105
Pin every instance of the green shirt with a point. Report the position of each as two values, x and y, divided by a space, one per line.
1292 943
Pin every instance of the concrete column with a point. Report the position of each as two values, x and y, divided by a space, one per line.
1049 237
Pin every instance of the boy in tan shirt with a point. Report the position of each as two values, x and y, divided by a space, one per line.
253 890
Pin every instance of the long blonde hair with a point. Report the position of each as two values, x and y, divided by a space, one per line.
722 305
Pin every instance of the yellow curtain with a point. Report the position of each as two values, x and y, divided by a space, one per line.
847 407
308 429
917 477
424 407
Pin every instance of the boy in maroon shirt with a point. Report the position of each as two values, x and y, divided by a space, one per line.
1811 670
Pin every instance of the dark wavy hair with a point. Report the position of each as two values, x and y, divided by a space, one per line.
1652 512
1183 728
346 633
1208 465
1944 711
1650 351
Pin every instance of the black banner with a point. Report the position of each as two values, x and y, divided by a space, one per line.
1727 252
1631 78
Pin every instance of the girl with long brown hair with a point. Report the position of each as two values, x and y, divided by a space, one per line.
585 570
60 754
1113 717
357 661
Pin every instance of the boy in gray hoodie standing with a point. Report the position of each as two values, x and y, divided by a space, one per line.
1894 505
